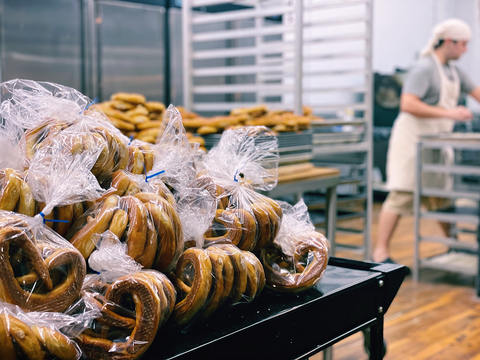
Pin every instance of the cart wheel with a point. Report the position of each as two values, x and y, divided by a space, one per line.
366 343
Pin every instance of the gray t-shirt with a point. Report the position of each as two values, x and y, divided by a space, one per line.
423 80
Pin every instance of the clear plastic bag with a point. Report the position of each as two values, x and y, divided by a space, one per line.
245 159
297 259
39 270
147 223
38 335
134 304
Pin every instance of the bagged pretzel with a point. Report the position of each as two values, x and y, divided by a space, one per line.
47 110
244 160
134 304
297 259
39 270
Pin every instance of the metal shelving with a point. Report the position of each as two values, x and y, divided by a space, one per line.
463 256
287 54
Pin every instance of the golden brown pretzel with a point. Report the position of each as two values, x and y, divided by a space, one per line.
215 190
136 160
256 276
63 213
24 337
119 223
192 291
10 189
147 155
240 271
264 226
54 296
295 273
42 135
167 246
137 226
55 343
119 185
230 225
146 291
83 239
6 344
149 252
249 229
132 98
26 203
222 280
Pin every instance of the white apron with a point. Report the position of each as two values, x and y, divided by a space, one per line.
407 130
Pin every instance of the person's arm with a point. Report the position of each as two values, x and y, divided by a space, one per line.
475 93
410 103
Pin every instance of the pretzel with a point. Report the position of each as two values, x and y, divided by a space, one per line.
295 273
262 215
10 190
155 106
167 246
240 271
222 280
255 276
232 228
122 105
82 240
55 343
6 344
135 161
63 213
119 185
192 290
165 206
23 336
147 155
148 256
150 295
136 236
56 296
215 190
138 110
119 223
249 229
42 135
26 203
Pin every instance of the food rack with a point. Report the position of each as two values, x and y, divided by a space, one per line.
285 54
463 256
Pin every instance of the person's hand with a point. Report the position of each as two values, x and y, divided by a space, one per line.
460 113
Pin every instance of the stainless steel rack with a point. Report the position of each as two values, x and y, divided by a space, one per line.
463 256
286 54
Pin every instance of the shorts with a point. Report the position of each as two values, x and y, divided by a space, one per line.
401 202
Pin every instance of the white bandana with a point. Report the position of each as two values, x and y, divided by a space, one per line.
454 29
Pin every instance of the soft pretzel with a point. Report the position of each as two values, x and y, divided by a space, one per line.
255 276
119 223
155 106
24 337
167 246
55 343
300 271
262 215
122 105
222 280
10 190
147 155
249 229
137 226
83 239
55 295
63 213
147 258
135 161
192 290
6 344
26 203
42 135
216 191
149 293
240 271
133 98
231 226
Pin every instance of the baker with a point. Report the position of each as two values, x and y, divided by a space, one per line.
428 105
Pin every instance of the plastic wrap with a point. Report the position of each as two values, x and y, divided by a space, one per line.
147 223
245 159
37 335
173 161
39 270
297 259
134 304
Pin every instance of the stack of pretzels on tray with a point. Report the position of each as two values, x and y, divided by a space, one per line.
163 276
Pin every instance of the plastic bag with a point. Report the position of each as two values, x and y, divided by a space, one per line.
39 270
174 162
244 160
147 223
36 335
134 304
297 259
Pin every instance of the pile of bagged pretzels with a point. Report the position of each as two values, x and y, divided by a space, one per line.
47 243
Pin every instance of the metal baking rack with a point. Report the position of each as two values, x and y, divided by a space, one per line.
464 253
288 54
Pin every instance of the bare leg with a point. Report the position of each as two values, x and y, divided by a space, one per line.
387 222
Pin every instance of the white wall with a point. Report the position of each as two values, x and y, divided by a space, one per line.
401 28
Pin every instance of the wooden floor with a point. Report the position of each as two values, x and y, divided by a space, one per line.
437 318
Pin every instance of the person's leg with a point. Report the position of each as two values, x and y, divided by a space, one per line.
387 222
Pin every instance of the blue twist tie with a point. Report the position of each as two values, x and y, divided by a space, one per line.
51 220
156 174
237 172
131 138
93 102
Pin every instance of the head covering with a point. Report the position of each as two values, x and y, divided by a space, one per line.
454 29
